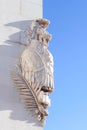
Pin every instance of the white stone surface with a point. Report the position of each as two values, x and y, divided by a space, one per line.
15 16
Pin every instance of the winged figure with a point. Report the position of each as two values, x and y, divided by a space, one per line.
35 79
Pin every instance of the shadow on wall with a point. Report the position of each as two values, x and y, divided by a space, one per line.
19 37
10 52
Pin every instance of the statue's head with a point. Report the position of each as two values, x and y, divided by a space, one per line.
37 31
43 22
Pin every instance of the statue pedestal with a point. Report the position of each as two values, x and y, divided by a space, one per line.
14 18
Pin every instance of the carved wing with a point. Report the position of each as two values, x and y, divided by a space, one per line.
29 95
37 68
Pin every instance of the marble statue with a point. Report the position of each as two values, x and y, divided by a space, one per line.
34 74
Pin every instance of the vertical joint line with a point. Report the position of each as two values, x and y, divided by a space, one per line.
20 7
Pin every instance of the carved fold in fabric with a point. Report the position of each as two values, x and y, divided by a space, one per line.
34 77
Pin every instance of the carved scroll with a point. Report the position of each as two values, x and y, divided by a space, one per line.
34 77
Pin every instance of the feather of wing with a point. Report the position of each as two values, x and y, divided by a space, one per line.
27 94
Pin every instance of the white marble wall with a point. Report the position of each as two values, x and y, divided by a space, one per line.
15 15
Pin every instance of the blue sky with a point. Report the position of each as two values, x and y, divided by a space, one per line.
69 48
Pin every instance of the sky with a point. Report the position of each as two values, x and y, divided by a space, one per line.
68 27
